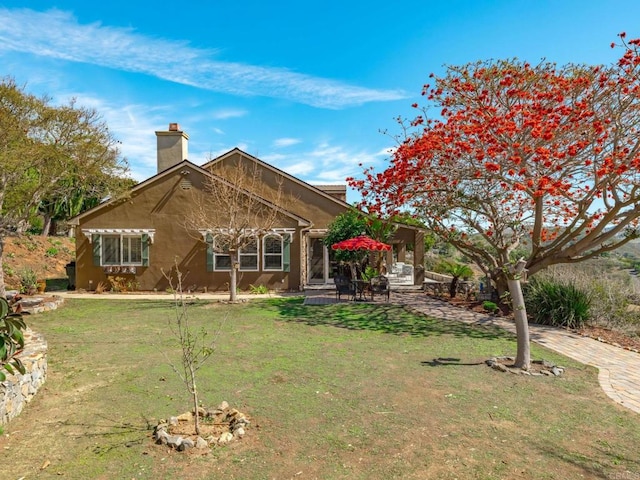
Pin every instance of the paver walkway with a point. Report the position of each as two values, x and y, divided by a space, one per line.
619 369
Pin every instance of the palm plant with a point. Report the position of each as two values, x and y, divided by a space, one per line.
456 270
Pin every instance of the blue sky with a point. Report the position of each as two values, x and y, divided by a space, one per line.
305 86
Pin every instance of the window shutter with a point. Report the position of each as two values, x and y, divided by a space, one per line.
286 254
95 241
145 250
209 240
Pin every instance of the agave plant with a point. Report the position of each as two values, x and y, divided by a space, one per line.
11 340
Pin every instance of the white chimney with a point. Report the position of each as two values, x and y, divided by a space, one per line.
172 147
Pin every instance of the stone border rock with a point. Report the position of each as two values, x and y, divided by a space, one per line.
18 390
546 368
35 303
237 423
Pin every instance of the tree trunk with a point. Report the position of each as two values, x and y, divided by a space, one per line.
194 393
501 285
233 286
380 263
2 288
453 287
46 224
523 355
502 292
353 270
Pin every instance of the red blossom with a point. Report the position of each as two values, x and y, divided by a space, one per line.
512 137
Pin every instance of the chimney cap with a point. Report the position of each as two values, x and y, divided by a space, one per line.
174 127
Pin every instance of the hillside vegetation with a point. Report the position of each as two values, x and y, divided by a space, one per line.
45 256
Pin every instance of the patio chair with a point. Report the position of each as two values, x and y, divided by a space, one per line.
344 286
380 286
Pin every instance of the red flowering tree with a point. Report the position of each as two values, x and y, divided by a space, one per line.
521 154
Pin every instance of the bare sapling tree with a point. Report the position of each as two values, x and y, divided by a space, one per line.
234 208
196 344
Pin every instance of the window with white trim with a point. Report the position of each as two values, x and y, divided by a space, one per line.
276 248
221 257
272 248
248 254
121 249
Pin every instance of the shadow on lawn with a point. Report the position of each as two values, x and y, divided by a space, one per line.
443 362
112 434
386 318
592 467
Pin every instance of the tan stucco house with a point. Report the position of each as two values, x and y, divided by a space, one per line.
142 236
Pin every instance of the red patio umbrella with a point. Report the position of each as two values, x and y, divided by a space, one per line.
361 243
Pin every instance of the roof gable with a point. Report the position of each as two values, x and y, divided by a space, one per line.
171 171
276 170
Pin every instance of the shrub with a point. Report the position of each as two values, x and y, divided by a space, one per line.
556 303
490 306
35 225
369 273
8 270
258 289
118 284
30 244
122 284
28 281
612 291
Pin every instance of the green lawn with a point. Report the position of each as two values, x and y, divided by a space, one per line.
346 391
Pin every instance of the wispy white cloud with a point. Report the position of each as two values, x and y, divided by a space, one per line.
302 169
228 113
386 152
285 142
57 34
325 164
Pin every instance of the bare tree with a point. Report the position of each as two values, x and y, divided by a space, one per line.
232 210
196 347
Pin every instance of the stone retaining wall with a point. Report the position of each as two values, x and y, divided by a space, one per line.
18 390
437 277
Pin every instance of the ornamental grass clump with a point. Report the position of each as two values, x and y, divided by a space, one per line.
556 303
612 291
